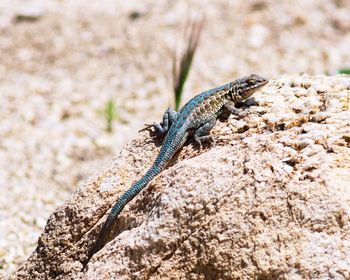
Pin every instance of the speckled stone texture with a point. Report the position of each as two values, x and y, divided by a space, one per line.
270 200
62 61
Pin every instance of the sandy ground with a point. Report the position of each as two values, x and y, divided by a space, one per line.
61 61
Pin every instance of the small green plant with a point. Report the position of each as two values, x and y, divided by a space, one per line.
181 67
110 113
344 71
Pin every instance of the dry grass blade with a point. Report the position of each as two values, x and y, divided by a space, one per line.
181 67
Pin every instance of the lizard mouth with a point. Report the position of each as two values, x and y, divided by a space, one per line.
257 85
263 83
259 82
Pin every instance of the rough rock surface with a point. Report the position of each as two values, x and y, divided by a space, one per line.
270 200
63 60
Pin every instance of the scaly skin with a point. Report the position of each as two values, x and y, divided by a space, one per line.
197 117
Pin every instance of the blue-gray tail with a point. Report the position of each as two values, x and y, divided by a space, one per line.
120 204
173 141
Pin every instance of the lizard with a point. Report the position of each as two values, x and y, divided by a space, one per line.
196 118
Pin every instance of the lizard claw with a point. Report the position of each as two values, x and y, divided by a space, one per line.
213 142
200 147
241 115
147 127
210 138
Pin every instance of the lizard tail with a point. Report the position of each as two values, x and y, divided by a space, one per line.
172 143
120 204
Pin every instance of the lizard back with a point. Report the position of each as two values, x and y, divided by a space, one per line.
202 107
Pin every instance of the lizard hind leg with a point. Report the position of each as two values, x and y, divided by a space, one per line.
162 128
202 134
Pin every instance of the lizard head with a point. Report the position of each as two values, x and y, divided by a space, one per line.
244 88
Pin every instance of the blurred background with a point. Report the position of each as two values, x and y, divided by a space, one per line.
79 78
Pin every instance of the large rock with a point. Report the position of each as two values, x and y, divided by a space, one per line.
270 200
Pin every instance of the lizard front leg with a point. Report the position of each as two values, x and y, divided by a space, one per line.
230 107
162 128
203 133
